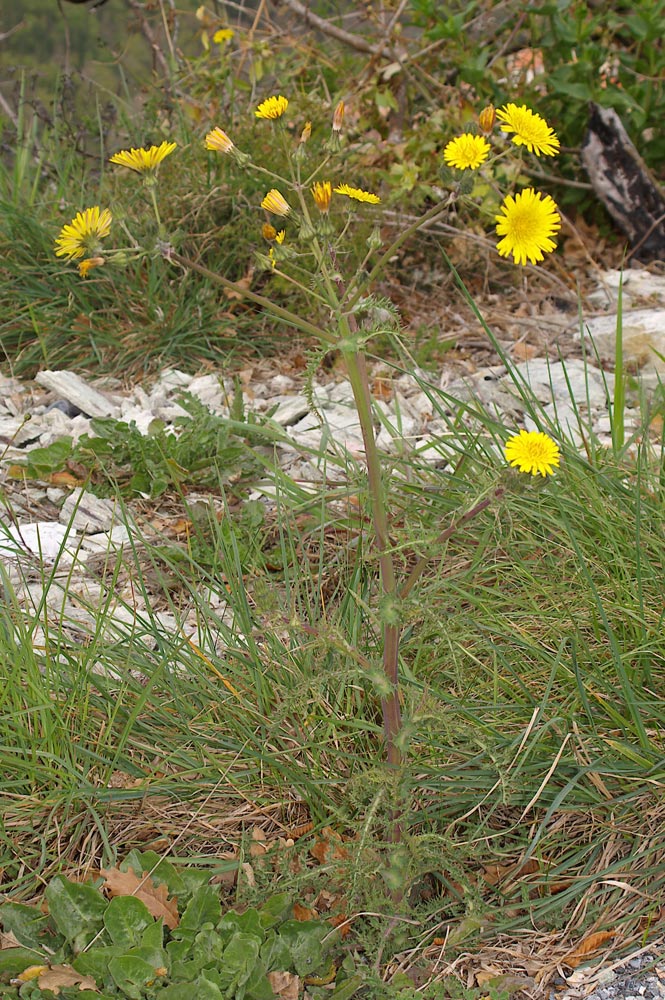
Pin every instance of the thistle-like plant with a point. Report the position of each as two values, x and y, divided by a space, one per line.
306 244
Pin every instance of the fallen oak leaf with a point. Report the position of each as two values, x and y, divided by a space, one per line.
57 977
155 897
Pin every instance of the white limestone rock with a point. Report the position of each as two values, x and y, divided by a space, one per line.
70 386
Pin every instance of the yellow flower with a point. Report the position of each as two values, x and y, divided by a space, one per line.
530 130
143 161
322 193
527 225
279 237
223 35
357 193
268 232
466 151
272 107
87 265
534 452
83 233
219 140
275 203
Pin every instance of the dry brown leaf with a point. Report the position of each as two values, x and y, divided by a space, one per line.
64 478
340 920
303 913
285 985
59 976
155 897
522 351
7 940
382 388
492 874
328 847
586 947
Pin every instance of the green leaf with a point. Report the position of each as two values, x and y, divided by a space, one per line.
200 989
249 922
95 963
131 975
275 954
44 461
126 918
209 946
28 925
239 961
303 939
204 907
13 961
76 910
275 910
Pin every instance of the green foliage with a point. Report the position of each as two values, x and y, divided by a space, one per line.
203 450
612 57
211 952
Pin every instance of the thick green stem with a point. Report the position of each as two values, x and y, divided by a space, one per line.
392 719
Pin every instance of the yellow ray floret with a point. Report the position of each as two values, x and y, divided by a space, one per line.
143 160
272 107
533 452
83 233
358 194
530 129
528 222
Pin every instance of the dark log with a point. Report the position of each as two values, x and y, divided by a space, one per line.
623 183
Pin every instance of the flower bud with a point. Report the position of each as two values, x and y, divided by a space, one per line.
338 117
374 240
487 118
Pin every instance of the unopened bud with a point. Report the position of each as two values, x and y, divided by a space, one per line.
487 118
374 240
306 132
338 117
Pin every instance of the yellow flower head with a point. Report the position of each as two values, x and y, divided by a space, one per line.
466 151
223 35
272 107
534 452
219 140
530 129
268 232
275 203
87 265
83 233
357 193
322 193
338 117
143 161
279 237
527 225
